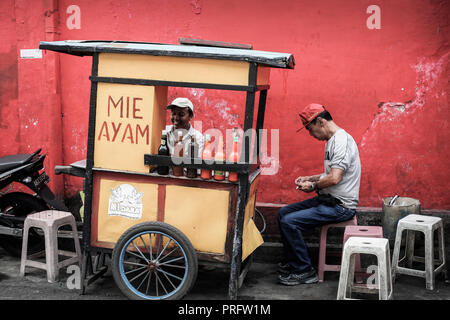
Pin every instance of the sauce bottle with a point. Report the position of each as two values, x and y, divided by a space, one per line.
234 157
219 157
178 152
193 153
163 151
206 155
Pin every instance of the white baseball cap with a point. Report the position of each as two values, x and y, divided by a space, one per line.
182 103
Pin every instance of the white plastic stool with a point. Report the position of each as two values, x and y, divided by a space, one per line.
427 225
376 246
361 231
50 221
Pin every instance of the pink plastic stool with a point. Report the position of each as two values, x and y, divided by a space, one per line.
323 246
361 231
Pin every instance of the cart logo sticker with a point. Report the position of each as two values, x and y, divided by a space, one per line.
125 201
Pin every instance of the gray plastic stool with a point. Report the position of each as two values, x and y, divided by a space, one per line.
427 225
50 221
376 246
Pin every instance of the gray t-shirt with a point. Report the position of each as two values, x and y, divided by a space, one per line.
341 152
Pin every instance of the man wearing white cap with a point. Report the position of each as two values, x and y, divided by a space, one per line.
182 113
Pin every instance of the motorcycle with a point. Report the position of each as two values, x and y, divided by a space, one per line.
27 169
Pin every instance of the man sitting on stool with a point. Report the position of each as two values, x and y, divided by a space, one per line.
337 194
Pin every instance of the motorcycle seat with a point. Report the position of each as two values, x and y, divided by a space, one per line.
14 161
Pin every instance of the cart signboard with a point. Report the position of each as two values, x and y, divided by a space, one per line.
129 120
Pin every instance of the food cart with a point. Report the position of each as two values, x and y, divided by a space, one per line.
159 228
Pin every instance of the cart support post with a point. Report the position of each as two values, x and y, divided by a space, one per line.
88 183
260 120
236 255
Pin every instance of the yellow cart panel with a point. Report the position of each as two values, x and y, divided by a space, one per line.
251 237
192 70
201 214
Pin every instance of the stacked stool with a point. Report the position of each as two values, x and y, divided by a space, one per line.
50 221
427 225
361 231
323 246
376 246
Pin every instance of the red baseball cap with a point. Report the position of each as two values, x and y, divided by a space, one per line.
310 113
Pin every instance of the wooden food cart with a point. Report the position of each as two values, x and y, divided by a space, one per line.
158 228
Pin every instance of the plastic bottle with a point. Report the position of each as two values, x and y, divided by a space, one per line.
234 157
163 151
219 157
206 155
193 153
178 152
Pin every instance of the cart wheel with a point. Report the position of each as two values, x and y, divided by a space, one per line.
154 261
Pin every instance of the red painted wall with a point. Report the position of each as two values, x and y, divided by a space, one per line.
387 87
30 108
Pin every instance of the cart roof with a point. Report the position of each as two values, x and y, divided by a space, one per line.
89 47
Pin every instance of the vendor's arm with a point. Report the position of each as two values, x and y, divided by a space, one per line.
331 179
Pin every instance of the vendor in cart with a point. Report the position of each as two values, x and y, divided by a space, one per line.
182 112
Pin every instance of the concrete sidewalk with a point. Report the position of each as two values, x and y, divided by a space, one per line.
260 284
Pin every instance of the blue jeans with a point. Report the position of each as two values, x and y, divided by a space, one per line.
295 218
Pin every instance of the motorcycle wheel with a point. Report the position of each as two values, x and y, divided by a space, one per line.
154 261
20 205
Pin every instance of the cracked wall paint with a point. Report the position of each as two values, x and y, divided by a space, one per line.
428 73
215 109
224 111
406 142
196 6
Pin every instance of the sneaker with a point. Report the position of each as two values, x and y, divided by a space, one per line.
294 279
284 268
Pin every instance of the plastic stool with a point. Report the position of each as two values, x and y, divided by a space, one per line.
361 231
50 221
323 246
427 225
375 246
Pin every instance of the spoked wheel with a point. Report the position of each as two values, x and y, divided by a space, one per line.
154 261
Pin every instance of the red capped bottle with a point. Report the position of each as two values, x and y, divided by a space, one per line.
234 157
207 155
178 152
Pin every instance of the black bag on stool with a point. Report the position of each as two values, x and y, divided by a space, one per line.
328 200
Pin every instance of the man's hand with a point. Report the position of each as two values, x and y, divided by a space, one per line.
306 186
300 180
